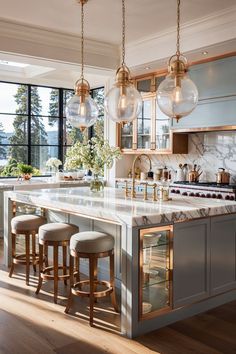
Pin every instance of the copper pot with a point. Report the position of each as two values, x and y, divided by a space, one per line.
222 177
193 176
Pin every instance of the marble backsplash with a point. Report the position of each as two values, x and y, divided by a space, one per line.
208 150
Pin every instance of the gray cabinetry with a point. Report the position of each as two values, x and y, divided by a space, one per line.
191 262
223 254
217 95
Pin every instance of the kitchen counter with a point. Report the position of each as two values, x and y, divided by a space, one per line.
113 206
34 183
185 275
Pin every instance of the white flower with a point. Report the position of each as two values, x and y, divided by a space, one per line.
53 162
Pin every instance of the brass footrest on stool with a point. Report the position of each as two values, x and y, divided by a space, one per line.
96 294
21 259
45 276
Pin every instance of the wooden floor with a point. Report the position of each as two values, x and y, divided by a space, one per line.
30 324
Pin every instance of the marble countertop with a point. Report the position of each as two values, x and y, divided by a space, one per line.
113 206
38 183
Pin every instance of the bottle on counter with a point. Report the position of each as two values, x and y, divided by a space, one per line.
130 173
158 174
165 173
150 175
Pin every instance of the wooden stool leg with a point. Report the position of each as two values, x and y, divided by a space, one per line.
77 260
64 250
13 253
55 268
70 296
40 280
95 276
91 284
27 252
46 255
112 282
34 251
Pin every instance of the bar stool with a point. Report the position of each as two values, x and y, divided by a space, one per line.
26 225
55 235
92 245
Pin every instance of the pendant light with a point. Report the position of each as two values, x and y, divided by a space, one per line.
82 110
177 95
123 102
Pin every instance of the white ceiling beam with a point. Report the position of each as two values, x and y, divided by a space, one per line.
37 42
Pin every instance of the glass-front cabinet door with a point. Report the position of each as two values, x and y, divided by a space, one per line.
156 264
127 136
162 129
144 124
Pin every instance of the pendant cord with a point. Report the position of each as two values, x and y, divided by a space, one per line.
82 40
123 33
178 29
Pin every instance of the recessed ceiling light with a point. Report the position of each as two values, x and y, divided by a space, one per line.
13 63
204 52
147 68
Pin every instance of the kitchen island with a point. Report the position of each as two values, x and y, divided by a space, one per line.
173 259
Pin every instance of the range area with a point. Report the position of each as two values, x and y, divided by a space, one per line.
204 190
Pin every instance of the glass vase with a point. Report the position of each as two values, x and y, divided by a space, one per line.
96 184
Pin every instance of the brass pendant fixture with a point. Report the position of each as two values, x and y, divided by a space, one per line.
177 95
123 102
82 110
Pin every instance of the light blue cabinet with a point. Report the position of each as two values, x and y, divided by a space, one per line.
216 83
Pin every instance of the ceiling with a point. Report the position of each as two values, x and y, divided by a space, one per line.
103 17
151 36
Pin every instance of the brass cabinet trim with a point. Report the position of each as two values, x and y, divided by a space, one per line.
169 266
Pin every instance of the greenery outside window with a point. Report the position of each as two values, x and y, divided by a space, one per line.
33 126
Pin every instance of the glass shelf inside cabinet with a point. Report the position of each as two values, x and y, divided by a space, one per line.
162 130
127 136
144 125
154 269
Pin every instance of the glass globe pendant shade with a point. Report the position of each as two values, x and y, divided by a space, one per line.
177 95
123 103
82 110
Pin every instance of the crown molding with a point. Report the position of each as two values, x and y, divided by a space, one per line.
206 31
23 39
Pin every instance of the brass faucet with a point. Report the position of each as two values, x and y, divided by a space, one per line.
137 158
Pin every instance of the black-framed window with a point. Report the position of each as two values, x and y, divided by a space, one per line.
33 127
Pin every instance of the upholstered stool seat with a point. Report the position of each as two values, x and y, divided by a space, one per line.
55 235
91 242
92 245
56 232
27 225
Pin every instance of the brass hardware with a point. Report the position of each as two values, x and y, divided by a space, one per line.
14 208
137 158
145 184
154 192
126 188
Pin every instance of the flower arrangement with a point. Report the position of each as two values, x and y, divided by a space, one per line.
53 163
92 154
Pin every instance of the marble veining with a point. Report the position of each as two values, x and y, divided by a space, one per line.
209 150
113 206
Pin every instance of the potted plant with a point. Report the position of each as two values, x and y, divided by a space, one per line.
25 171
